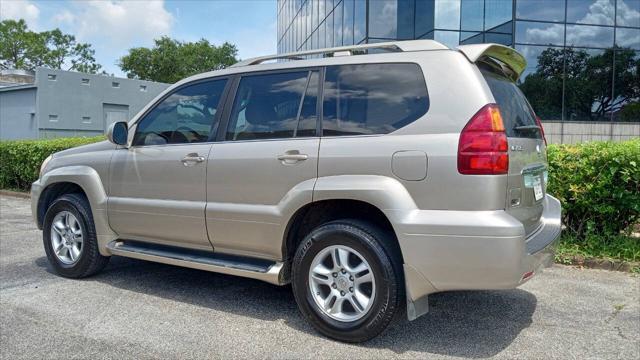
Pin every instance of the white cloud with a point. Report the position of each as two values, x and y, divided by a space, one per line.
119 24
64 17
20 9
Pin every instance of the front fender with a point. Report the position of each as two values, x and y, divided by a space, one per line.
89 180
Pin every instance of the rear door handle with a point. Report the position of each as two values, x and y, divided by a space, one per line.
192 159
291 157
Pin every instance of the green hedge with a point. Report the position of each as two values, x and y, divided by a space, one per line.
20 160
598 184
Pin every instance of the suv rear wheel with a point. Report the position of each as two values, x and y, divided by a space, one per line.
346 282
69 237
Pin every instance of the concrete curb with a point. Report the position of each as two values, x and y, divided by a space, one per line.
19 194
602 264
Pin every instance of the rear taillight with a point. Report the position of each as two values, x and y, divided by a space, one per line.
483 147
539 123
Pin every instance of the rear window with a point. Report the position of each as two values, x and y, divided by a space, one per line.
368 99
519 119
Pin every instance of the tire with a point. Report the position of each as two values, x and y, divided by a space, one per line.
89 261
368 245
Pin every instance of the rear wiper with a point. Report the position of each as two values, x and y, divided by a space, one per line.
526 128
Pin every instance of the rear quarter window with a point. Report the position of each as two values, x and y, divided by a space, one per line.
366 99
519 119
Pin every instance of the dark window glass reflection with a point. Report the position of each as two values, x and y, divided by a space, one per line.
406 18
266 106
629 38
383 19
504 39
588 84
539 33
329 31
589 36
347 37
471 15
372 98
497 12
467 37
543 10
424 17
186 116
359 21
542 80
625 105
337 25
598 12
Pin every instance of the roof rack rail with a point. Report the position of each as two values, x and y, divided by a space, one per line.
393 46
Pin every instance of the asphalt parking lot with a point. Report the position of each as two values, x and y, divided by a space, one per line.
136 309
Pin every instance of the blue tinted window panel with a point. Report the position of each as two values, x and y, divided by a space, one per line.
628 38
542 10
628 13
539 33
597 12
383 19
347 37
626 104
504 39
471 15
359 21
589 36
497 12
337 25
406 16
424 17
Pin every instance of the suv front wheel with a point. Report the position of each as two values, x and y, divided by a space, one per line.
69 236
347 281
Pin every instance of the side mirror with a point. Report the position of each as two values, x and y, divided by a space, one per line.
118 133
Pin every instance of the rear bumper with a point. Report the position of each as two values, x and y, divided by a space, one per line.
467 250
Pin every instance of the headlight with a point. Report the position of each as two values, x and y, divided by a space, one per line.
44 164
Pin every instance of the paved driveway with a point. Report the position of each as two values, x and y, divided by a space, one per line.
137 309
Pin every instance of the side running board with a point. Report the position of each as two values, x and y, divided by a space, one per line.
265 270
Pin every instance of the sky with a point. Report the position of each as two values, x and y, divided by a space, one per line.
114 26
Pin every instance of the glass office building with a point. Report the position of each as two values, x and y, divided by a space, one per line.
583 56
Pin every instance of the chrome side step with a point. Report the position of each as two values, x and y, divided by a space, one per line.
265 270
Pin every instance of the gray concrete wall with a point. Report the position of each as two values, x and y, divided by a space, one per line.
17 114
571 132
71 103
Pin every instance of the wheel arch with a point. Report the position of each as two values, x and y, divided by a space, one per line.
77 179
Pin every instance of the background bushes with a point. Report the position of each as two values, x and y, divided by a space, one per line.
598 184
20 160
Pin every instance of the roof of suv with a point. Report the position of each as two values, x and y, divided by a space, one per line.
265 62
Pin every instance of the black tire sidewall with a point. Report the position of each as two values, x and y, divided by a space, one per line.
74 205
363 241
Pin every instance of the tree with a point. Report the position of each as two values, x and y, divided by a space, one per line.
21 48
588 82
171 60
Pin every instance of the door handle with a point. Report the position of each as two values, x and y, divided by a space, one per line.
295 157
192 159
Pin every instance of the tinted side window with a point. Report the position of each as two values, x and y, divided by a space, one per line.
519 119
272 106
186 116
372 98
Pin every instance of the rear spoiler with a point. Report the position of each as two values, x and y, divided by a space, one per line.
512 59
